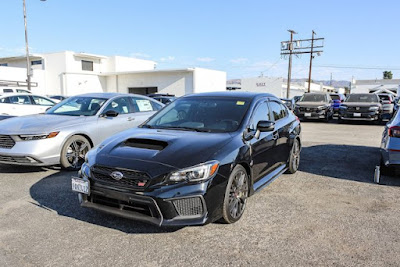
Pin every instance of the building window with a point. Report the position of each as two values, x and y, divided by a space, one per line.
3 64
87 65
36 62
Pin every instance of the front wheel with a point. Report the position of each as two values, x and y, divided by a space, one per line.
294 158
236 194
73 152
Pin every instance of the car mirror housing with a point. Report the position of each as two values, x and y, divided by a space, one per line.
266 126
110 113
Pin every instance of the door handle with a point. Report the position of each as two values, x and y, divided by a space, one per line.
131 119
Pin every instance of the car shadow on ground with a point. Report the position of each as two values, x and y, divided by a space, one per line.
356 163
54 193
4 168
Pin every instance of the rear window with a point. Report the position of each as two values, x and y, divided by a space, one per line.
384 97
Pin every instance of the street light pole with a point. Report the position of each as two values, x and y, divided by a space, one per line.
28 62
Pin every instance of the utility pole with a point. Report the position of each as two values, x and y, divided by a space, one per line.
311 58
28 62
303 46
290 47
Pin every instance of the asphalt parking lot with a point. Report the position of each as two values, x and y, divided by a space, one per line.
329 213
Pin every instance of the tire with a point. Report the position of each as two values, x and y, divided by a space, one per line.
236 194
73 152
294 158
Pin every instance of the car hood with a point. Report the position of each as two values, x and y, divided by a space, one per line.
159 151
311 104
38 124
361 104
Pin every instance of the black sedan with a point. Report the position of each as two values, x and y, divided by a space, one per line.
195 161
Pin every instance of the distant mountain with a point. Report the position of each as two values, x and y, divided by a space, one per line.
335 83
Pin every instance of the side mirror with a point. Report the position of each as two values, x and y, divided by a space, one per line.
266 126
110 113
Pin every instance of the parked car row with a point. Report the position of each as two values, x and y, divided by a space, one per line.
323 106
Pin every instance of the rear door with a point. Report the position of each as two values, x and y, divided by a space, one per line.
18 105
263 148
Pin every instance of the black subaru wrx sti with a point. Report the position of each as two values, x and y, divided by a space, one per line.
195 161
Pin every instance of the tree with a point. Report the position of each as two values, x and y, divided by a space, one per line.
387 75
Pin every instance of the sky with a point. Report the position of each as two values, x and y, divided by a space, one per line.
239 37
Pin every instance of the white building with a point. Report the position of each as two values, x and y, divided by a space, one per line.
377 85
69 73
276 86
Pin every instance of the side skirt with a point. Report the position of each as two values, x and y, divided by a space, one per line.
266 180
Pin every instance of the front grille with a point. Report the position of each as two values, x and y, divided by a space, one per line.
6 141
14 159
188 206
131 178
359 109
308 109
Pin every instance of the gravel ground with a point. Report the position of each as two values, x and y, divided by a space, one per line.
328 213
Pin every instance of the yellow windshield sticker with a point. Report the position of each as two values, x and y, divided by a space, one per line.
240 103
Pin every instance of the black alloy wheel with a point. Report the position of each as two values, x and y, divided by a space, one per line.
73 152
294 158
236 194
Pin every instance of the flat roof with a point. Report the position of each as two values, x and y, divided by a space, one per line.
147 71
31 56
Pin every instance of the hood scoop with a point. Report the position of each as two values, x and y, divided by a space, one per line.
146 144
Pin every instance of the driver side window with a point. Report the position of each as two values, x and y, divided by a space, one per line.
120 105
261 113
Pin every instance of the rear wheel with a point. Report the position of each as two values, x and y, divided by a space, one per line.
236 194
73 152
294 158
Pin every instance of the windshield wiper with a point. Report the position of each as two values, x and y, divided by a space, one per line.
183 128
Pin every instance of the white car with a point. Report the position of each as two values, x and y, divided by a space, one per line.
24 104
13 90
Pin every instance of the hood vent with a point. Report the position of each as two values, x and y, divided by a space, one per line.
146 143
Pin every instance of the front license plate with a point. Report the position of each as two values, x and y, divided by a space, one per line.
307 114
357 114
80 185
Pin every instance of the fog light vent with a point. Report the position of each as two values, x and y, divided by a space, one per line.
188 206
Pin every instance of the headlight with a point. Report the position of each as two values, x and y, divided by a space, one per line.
196 173
29 137
373 108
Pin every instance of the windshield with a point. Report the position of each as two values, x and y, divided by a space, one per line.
78 106
368 98
313 98
335 97
201 114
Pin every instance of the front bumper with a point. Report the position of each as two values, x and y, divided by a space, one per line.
365 116
168 205
311 115
43 152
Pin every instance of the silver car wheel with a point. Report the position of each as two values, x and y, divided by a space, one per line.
74 151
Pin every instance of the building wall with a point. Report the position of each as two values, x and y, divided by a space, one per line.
19 74
364 86
172 83
206 80
121 64
263 85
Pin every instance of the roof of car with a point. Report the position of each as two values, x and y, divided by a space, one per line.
249 95
109 95
19 94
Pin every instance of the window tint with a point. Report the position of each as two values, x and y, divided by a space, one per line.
278 110
42 101
7 90
23 99
120 105
5 100
23 91
142 104
260 114
156 106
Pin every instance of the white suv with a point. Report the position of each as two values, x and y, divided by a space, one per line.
13 90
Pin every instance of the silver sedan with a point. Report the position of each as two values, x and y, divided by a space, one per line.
67 131
390 146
